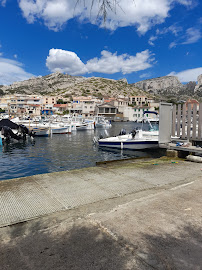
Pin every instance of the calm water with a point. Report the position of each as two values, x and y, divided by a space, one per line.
62 152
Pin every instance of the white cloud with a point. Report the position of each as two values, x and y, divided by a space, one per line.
140 13
192 35
108 63
65 61
111 63
12 71
173 29
15 56
3 2
172 45
187 75
145 75
151 40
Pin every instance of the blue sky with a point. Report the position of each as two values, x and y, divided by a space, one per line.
143 39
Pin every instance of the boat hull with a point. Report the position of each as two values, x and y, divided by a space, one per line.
41 132
64 130
132 145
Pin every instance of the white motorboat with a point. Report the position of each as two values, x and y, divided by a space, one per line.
149 119
101 122
54 128
134 141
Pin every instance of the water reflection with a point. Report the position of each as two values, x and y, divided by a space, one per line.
62 152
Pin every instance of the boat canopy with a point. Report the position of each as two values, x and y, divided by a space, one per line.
8 123
150 112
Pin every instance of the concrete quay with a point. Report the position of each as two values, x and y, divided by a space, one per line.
135 214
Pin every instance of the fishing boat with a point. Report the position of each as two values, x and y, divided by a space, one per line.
60 130
41 131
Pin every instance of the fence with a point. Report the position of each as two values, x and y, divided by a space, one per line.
187 121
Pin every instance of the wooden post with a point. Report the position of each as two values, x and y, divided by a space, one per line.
200 122
194 122
189 122
174 121
183 120
178 119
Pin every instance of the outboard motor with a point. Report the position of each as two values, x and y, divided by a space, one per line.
24 130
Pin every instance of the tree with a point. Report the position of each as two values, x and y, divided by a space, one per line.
61 101
2 111
1 92
104 7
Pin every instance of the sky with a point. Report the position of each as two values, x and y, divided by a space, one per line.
140 39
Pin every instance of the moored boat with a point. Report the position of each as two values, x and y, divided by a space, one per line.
41 131
141 140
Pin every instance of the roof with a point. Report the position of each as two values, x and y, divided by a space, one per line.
108 105
60 105
192 101
33 105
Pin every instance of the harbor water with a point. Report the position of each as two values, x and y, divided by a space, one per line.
63 152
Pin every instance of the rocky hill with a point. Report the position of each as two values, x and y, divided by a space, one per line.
167 87
66 85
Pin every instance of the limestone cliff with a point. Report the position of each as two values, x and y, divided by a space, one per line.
198 88
160 85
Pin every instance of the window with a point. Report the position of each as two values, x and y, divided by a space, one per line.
101 110
113 110
106 110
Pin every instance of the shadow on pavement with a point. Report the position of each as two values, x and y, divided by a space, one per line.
182 251
78 247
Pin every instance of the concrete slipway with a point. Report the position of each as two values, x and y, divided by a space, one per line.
137 214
